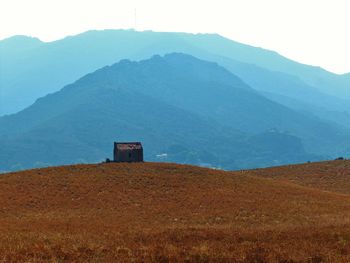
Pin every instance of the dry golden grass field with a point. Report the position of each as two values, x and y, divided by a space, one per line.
153 212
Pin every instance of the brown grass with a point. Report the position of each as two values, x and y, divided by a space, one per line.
152 212
331 176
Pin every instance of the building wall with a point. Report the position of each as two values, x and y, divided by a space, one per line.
135 155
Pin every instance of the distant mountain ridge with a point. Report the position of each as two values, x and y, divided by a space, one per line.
39 69
20 42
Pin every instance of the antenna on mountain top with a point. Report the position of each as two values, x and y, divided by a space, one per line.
135 21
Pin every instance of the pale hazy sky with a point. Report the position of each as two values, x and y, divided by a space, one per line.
314 32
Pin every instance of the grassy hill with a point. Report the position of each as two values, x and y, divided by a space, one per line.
331 176
161 212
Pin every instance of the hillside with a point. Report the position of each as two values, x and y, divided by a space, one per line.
193 111
290 90
331 176
330 83
167 212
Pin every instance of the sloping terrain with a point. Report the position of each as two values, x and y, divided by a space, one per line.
86 131
290 91
167 212
333 176
190 110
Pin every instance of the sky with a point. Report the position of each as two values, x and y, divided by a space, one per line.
314 32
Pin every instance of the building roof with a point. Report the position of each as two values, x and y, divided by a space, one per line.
128 145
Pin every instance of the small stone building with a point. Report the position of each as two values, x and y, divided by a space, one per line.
128 152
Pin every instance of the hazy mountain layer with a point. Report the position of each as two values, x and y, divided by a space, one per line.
31 69
183 109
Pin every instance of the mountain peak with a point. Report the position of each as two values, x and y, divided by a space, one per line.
20 41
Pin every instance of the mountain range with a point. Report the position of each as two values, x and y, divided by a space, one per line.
31 68
223 104
182 108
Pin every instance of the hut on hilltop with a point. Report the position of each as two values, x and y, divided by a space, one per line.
128 152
